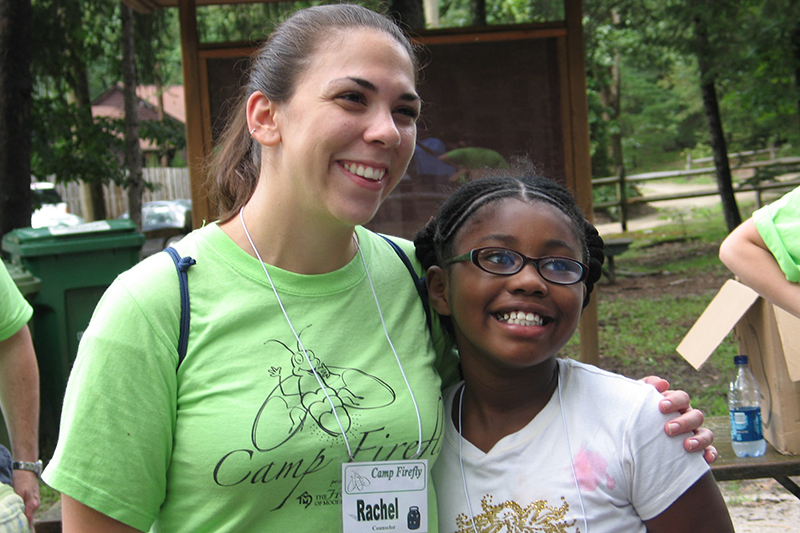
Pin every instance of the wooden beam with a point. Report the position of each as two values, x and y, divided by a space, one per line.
148 6
195 138
580 157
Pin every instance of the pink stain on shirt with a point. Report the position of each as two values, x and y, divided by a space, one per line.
591 471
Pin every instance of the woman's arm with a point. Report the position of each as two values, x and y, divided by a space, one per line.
689 421
79 518
701 508
746 255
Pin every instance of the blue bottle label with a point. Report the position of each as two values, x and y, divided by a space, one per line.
746 424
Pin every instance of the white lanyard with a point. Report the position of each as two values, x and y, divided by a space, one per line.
569 452
308 359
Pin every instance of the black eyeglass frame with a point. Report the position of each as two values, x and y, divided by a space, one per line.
474 255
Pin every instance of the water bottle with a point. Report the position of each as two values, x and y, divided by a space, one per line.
744 404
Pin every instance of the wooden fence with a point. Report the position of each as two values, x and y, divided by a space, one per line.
171 184
755 176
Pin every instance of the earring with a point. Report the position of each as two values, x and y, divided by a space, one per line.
253 131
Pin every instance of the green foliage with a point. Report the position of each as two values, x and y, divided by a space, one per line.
69 35
252 22
69 144
749 56
662 110
458 13
168 135
77 53
157 57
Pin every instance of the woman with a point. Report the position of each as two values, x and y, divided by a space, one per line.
308 345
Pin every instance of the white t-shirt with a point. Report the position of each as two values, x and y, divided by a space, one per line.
627 468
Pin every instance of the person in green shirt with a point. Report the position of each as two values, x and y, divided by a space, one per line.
19 400
764 252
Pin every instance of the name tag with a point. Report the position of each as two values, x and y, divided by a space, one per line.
384 496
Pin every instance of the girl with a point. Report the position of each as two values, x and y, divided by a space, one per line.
534 442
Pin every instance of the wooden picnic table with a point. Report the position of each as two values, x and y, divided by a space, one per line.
772 464
612 248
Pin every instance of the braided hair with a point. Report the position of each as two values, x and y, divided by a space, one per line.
434 243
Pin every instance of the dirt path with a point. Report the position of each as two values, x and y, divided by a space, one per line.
670 210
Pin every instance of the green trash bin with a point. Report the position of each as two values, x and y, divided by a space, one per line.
29 285
75 264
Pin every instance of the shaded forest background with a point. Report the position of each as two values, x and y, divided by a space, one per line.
666 78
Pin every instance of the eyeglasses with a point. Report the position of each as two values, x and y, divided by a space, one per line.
505 262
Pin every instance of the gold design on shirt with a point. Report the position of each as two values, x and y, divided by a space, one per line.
511 517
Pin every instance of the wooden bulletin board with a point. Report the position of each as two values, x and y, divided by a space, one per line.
503 93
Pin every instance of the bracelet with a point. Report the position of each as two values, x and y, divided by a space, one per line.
36 467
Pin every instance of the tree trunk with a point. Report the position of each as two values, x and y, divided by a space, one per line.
161 116
92 195
718 145
409 12
796 54
614 106
133 152
478 12
15 114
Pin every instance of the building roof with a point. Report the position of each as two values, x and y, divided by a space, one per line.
112 104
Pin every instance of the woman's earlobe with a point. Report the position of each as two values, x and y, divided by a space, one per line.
436 280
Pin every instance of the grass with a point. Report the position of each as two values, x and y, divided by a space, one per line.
48 496
670 275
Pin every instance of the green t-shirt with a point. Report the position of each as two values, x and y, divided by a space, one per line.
242 437
15 311
779 225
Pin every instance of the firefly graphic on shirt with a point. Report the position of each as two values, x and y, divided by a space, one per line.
301 395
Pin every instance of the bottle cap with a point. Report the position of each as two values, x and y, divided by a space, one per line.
740 360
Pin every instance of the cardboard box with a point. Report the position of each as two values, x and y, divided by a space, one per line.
770 337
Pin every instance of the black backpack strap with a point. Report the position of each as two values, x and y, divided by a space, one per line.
419 282
182 264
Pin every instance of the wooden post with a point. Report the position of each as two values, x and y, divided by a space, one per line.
195 142
623 200
581 179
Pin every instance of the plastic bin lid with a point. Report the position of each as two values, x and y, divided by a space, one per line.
28 284
99 235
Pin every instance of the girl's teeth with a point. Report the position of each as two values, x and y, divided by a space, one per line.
521 319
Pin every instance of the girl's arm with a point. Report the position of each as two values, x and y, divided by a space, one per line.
745 253
689 421
701 508
79 518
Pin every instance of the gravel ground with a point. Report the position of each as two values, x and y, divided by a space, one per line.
761 506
